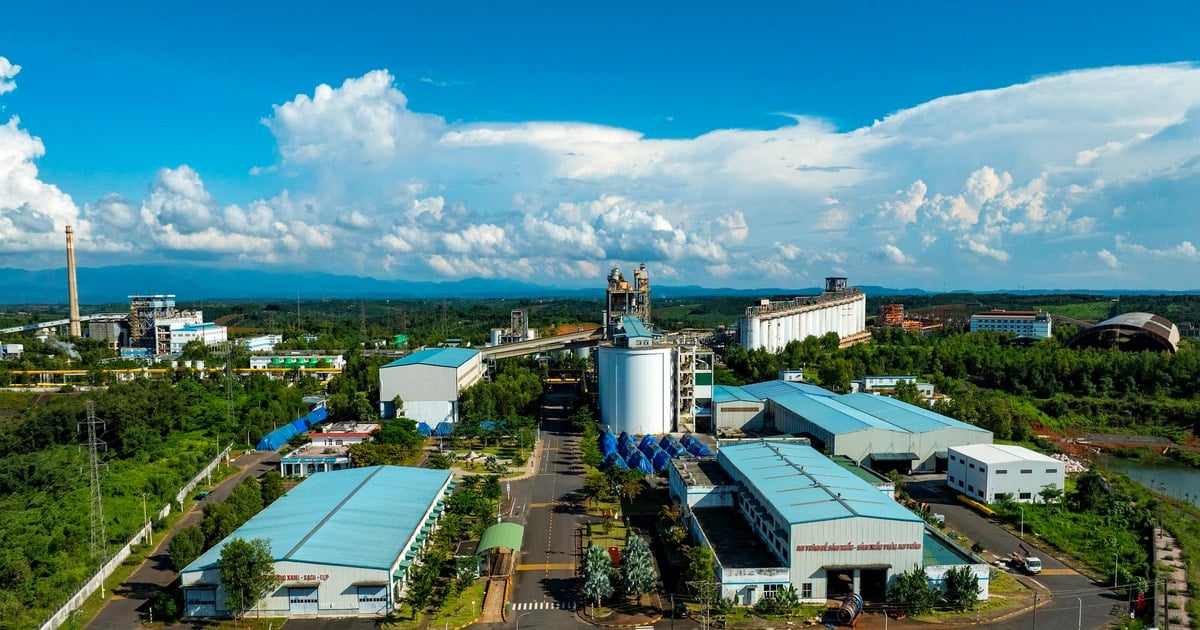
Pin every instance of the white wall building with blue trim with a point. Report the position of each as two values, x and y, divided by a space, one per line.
779 512
343 544
429 382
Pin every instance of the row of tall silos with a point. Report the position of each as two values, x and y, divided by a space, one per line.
772 329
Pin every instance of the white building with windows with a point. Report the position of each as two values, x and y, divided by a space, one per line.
343 543
988 472
1034 324
208 333
261 343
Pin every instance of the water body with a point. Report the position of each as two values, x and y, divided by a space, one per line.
1180 482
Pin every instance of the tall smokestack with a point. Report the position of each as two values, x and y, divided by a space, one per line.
73 293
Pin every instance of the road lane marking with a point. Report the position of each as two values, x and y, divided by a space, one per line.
542 505
1059 572
548 566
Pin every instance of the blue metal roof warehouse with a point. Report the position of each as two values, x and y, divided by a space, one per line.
876 431
342 542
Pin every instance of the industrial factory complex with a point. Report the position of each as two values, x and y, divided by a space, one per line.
785 481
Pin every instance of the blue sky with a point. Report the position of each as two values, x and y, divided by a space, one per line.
935 145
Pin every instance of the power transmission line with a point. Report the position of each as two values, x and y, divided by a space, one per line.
99 539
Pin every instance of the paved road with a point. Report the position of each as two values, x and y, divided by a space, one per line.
129 605
1076 601
549 507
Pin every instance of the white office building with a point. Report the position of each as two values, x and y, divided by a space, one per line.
988 472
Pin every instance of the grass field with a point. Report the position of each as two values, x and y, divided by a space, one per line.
1092 311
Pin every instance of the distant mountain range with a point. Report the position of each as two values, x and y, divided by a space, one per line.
109 285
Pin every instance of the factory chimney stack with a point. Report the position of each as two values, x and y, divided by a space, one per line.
73 292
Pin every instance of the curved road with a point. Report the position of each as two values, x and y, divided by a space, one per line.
1074 601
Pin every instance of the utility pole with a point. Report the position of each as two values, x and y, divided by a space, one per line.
146 520
99 539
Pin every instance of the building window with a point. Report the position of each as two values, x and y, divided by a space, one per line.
1051 471
1002 471
1026 471
960 483
972 465
999 496
1025 496
970 488
950 478
770 590
806 590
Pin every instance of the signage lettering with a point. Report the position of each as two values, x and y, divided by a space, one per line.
307 577
876 546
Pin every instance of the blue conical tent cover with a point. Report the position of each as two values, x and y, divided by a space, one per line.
649 439
660 460
637 461
626 449
687 440
666 439
607 438
606 450
698 449
443 429
423 429
649 449
676 449
614 460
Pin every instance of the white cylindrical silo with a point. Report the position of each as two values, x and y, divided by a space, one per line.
636 389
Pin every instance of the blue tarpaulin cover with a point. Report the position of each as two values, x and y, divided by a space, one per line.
280 436
423 429
637 461
443 429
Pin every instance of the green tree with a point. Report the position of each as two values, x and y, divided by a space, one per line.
597 578
638 576
962 588
912 591
271 487
1050 494
219 521
247 573
700 566
246 499
186 545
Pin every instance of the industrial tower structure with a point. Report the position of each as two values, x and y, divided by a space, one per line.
625 298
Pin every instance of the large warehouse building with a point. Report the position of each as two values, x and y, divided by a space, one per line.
343 542
988 472
429 382
778 513
771 325
875 431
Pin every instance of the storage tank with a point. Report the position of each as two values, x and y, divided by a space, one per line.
636 389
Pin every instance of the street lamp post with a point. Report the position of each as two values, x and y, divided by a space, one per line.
1116 567
519 618
1022 508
